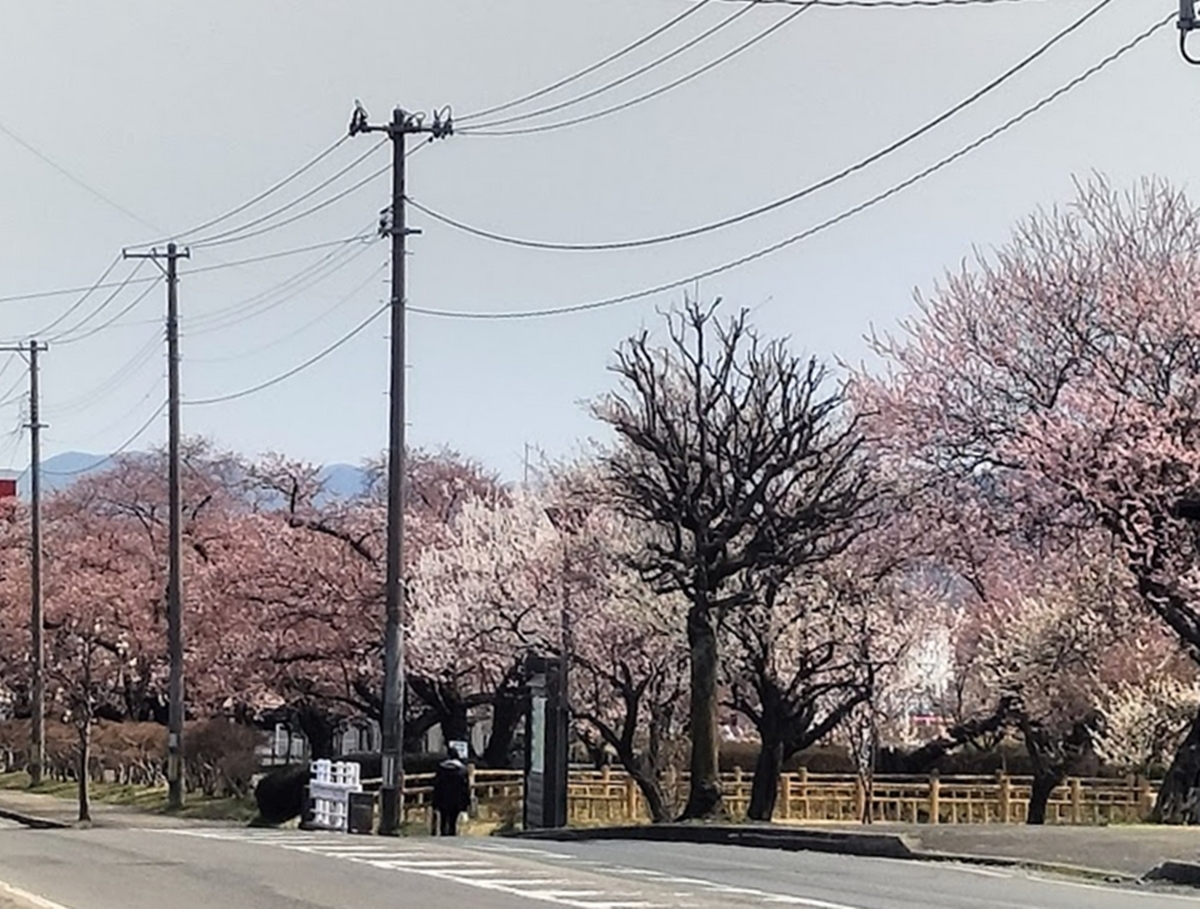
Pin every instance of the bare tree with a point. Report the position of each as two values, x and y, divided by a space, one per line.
732 452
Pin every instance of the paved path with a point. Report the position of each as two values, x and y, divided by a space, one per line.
66 811
1127 848
196 868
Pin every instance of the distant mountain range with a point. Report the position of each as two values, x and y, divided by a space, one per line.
342 481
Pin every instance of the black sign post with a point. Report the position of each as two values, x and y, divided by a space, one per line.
545 747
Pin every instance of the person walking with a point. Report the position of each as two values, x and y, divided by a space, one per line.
451 794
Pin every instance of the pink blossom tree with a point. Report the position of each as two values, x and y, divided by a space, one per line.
1063 374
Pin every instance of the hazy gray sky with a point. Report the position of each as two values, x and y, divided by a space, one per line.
180 111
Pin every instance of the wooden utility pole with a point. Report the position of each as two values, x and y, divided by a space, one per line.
175 692
391 811
37 657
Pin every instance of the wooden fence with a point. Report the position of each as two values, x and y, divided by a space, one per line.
612 797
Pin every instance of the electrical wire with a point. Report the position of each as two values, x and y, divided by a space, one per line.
324 314
362 235
273 297
615 83
824 183
894 4
824 225
210 240
47 160
344 339
316 208
304 214
269 191
108 457
8 397
486 130
7 363
587 71
104 304
121 285
14 437
141 356
63 338
100 285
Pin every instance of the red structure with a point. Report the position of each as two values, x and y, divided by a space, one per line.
8 489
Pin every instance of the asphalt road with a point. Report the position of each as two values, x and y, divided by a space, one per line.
253 869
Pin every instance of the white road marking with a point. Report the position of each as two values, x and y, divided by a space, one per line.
431 861
32 898
456 864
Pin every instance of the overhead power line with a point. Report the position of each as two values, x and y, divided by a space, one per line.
615 83
824 183
337 197
320 317
82 184
273 297
587 71
102 285
68 336
254 389
120 286
485 129
894 4
344 241
824 225
287 206
125 371
269 191
120 450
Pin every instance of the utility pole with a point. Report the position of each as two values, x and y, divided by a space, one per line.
402 125
37 730
175 702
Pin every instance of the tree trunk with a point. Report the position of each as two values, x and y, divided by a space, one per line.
85 755
507 713
455 725
704 793
1043 786
765 788
318 729
652 792
1177 802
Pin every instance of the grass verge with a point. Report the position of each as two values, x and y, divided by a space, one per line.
141 798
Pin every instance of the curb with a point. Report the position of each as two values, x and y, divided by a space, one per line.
1002 861
872 845
15 896
32 821
1175 873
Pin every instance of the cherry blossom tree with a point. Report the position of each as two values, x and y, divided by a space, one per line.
1066 368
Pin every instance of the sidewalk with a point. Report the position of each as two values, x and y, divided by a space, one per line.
1128 849
1119 852
19 805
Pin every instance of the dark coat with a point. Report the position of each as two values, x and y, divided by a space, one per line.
451 788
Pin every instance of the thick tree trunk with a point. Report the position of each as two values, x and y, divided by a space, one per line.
455 725
1043 786
765 788
1177 799
318 730
507 713
85 757
704 794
